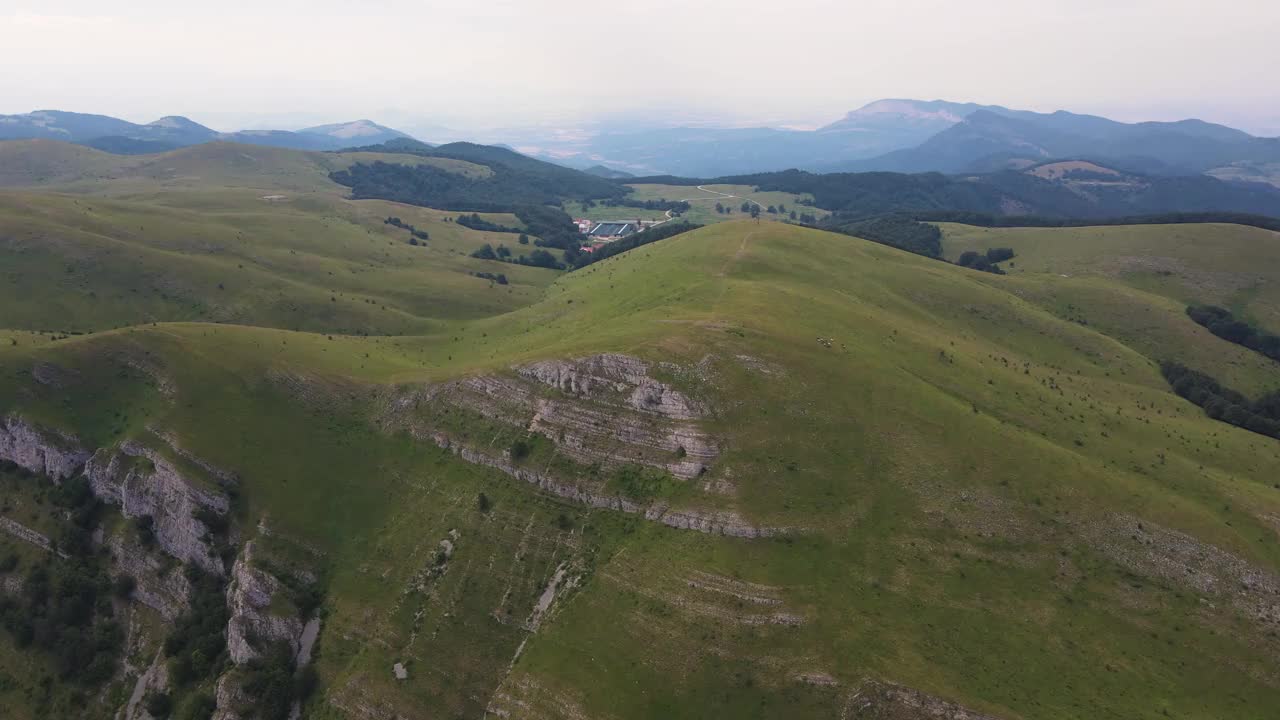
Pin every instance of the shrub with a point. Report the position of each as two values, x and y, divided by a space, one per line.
520 450
159 705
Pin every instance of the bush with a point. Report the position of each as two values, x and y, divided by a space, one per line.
520 450
199 706
159 705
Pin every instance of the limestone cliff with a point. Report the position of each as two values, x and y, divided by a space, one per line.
250 597
142 482
46 452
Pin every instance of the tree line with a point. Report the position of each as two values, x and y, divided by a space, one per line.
1222 403
414 233
1222 323
475 222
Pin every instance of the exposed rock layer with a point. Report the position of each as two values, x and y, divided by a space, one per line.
144 483
46 452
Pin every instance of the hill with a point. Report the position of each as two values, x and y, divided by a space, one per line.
609 173
233 233
310 451
750 471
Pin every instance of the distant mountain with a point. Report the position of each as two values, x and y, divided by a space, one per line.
68 126
123 137
871 130
358 132
604 172
904 135
177 130
991 140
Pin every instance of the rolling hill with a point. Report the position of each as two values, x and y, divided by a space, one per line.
753 470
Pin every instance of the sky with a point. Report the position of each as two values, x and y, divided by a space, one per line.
509 63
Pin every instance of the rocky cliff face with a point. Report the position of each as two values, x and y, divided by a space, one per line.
262 614
161 586
143 483
46 452
249 598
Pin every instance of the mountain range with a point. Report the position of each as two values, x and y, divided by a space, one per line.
904 135
898 135
123 137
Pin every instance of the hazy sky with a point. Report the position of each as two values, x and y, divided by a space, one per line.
505 62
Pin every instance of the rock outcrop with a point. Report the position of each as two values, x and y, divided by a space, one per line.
601 412
604 410
710 522
161 586
249 598
142 482
877 700
26 534
51 453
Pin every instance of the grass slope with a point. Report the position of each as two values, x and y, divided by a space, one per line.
1132 281
984 495
229 233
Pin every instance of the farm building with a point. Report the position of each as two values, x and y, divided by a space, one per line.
612 230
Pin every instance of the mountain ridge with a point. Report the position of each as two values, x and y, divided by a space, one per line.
115 135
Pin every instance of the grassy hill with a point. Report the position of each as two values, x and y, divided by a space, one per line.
955 484
237 234
1133 281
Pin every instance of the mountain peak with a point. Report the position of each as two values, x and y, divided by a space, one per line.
175 122
362 129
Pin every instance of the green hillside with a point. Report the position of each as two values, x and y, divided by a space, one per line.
233 234
827 475
1134 281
